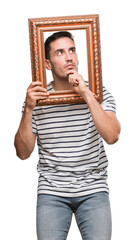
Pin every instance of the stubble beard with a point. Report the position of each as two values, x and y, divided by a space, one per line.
63 77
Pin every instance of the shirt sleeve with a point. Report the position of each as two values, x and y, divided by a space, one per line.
108 103
34 127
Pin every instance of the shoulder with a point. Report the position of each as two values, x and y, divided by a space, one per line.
108 103
107 94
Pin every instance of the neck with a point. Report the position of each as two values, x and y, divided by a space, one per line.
61 84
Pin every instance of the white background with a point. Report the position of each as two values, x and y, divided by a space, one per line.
18 179
79 37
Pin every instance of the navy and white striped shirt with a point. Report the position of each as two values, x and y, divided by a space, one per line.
72 158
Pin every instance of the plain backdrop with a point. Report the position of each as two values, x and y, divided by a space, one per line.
81 50
18 179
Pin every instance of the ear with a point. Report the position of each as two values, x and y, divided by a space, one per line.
48 64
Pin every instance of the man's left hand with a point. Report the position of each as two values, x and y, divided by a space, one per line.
77 81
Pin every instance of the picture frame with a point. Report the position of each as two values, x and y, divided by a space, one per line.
89 24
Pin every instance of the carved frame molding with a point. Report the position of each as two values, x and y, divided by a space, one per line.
37 26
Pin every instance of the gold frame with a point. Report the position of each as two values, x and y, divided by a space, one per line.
37 27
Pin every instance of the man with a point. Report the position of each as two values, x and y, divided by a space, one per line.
72 161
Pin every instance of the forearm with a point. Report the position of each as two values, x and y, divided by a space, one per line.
24 138
106 123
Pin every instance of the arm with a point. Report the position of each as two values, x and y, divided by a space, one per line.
106 122
25 138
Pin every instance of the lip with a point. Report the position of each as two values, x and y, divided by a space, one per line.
70 65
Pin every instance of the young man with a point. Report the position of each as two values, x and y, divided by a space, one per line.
72 161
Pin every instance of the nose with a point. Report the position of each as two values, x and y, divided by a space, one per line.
68 57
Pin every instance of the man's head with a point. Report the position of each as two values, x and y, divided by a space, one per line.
60 54
54 37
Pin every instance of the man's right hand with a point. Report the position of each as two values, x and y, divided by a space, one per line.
35 92
25 138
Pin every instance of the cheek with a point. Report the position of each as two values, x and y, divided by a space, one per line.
75 59
58 65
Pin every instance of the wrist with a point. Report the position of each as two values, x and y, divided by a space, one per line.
87 94
28 110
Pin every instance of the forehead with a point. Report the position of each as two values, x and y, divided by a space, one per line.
62 43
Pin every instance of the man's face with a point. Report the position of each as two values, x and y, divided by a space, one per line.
63 57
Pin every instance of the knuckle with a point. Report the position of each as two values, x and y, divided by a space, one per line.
28 92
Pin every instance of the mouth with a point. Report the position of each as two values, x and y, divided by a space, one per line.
70 66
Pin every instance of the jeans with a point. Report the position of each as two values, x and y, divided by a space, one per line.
92 214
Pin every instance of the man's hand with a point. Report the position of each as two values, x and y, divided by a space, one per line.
35 92
25 138
77 81
106 123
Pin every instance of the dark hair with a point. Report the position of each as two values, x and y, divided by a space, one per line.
54 37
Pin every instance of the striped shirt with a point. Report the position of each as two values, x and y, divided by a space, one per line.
72 159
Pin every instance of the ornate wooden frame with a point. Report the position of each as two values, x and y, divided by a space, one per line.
37 27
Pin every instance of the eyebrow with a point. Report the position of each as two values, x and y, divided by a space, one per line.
59 49
72 48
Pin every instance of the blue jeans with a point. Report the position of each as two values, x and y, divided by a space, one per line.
92 213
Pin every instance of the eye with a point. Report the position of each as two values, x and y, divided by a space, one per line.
72 50
59 53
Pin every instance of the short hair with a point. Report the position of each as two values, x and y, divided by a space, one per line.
54 37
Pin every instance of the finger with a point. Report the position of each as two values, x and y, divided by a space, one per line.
37 97
40 89
75 84
40 98
35 83
73 71
37 89
42 94
73 79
